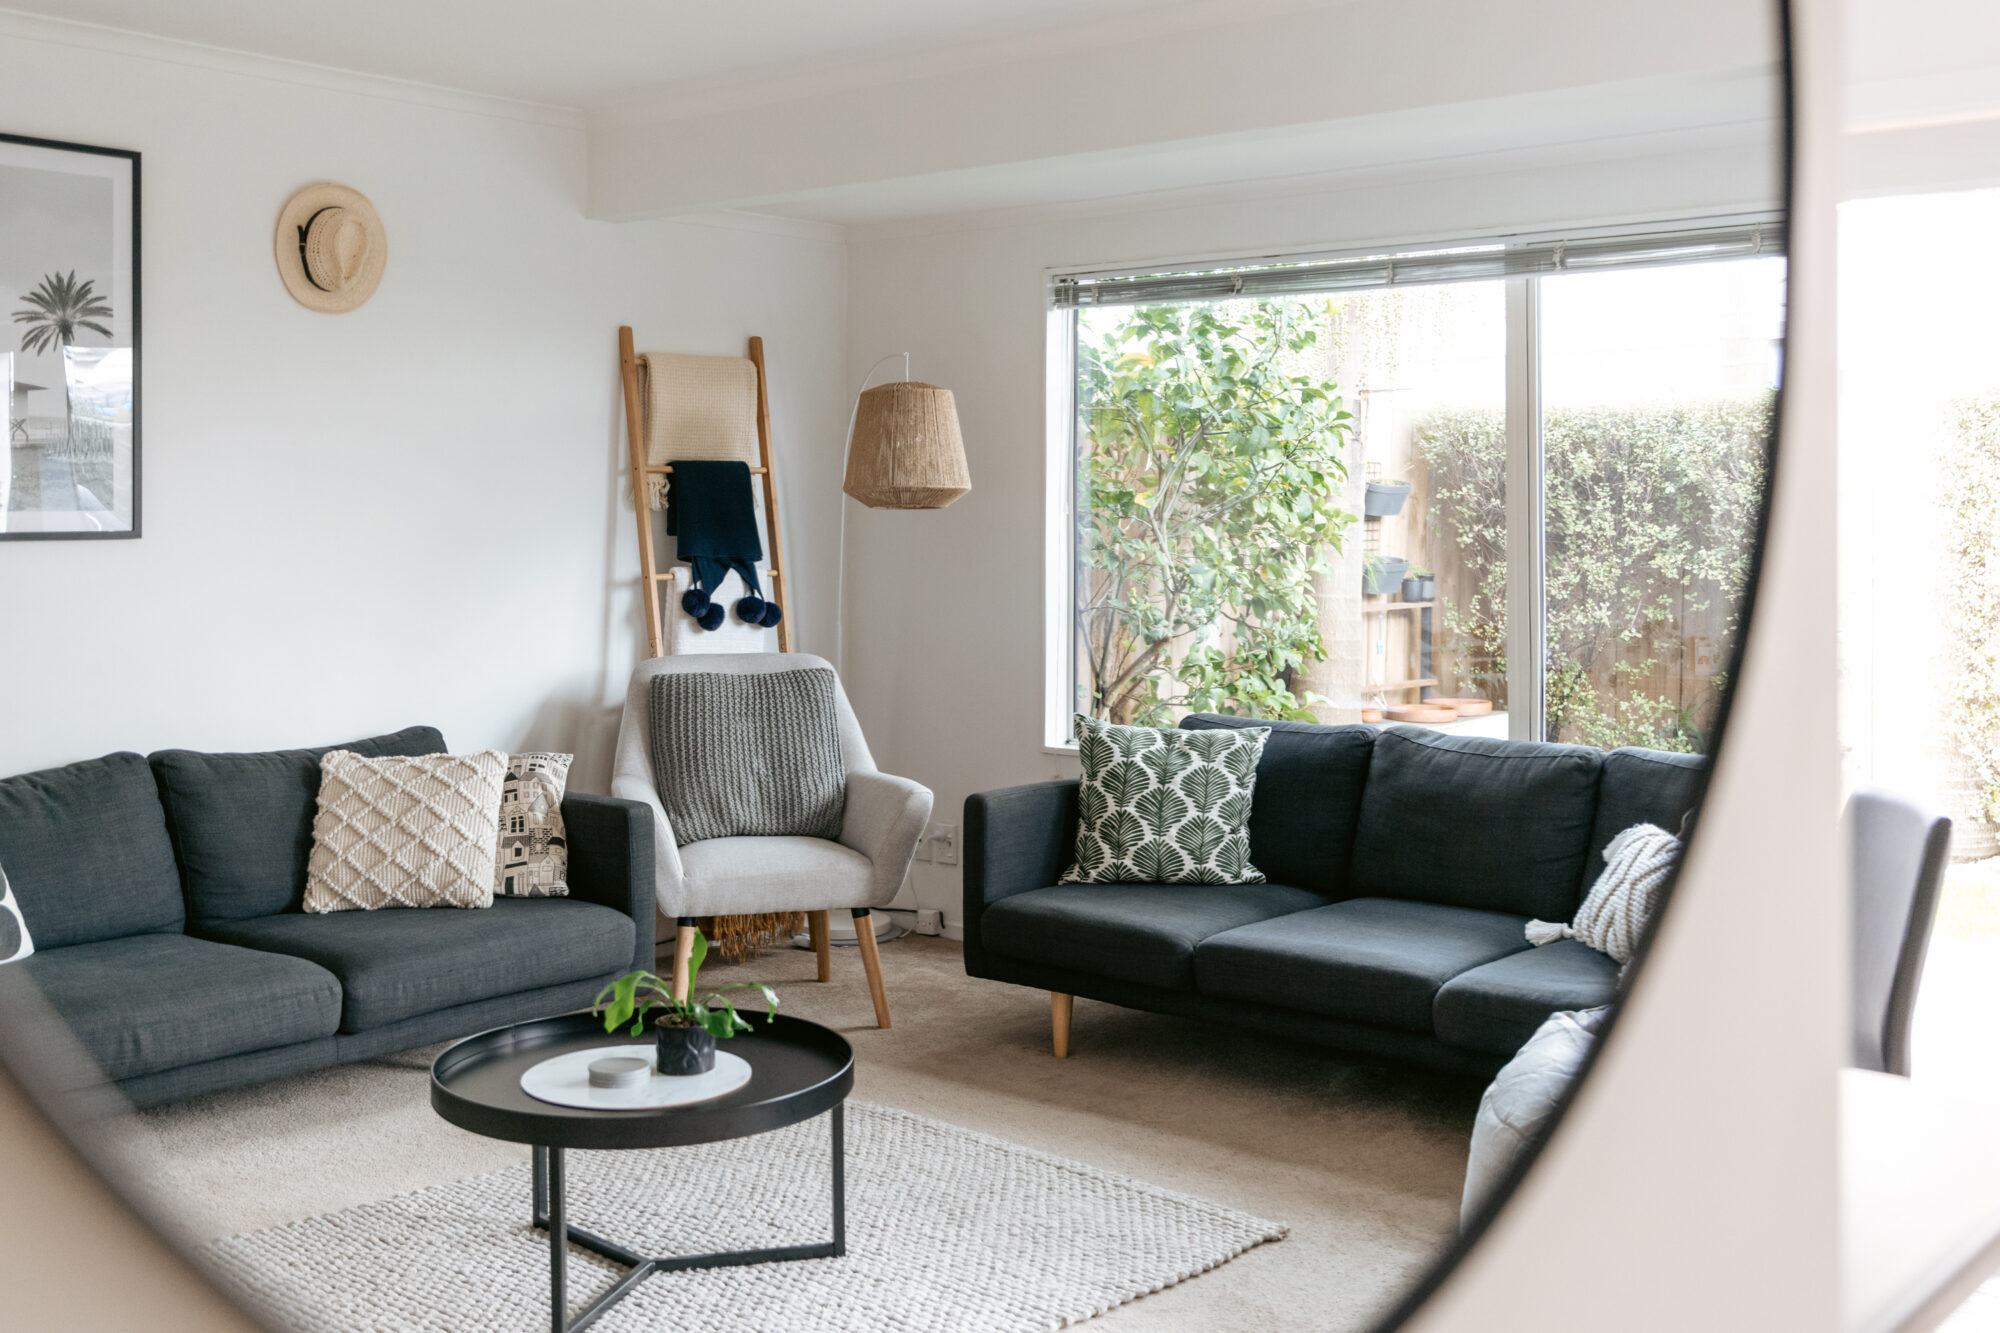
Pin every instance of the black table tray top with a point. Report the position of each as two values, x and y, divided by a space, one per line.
798 1070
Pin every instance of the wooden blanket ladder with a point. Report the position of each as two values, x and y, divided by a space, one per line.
651 575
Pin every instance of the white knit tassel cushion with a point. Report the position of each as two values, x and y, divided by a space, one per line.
1620 903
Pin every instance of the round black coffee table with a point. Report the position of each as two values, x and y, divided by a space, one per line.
798 1070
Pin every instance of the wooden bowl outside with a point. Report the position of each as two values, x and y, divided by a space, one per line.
1421 713
1464 707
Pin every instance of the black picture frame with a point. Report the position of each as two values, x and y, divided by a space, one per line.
134 302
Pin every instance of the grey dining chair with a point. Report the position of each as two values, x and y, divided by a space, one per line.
1899 855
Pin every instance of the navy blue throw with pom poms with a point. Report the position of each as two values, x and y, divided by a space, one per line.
710 511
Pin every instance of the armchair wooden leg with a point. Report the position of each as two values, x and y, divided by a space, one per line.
817 927
683 951
1059 1009
864 935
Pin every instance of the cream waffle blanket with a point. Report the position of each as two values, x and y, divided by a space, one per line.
696 407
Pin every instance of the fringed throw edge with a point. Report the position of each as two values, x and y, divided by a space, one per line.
736 938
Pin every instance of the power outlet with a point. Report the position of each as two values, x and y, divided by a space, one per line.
946 838
924 847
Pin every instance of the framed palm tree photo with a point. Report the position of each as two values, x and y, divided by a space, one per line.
69 340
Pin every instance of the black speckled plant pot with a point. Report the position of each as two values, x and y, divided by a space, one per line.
684 1051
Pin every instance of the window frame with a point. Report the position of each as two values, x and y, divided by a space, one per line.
1527 638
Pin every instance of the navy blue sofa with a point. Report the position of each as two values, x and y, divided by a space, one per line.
164 896
1402 864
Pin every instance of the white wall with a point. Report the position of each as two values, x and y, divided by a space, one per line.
945 610
407 513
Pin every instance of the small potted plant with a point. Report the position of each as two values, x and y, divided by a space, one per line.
1385 498
685 1031
1382 573
1419 585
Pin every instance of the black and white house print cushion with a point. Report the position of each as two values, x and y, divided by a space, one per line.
1164 806
533 860
15 942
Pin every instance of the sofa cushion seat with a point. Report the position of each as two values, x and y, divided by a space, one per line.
148 1003
400 962
773 874
1367 960
1501 826
1142 933
87 852
1308 798
1641 787
1497 1007
242 824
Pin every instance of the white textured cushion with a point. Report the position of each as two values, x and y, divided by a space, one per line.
405 832
533 858
15 942
1615 911
781 874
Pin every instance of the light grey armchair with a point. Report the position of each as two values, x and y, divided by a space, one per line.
860 870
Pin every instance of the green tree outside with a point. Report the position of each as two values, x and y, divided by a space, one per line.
1212 457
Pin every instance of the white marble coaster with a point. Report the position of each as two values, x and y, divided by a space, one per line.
565 1081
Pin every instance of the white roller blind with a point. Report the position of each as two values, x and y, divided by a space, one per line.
1470 261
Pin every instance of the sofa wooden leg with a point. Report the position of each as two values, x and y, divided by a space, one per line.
864 935
817 927
1059 1009
683 951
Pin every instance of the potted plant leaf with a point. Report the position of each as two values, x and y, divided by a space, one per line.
1382 573
1419 585
1385 498
685 1031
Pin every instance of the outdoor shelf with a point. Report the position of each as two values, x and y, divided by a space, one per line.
1403 684
1380 607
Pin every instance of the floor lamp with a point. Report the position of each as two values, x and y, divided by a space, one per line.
903 451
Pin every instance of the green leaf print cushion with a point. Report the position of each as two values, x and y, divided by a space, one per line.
1165 807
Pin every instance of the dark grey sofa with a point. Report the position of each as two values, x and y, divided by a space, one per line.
1403 866
164 897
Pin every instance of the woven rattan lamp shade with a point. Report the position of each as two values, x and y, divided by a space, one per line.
907 452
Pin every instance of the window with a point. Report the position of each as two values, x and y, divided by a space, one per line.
1919 577
1501 488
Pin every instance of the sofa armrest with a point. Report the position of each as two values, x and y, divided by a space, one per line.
611 861
1016 839
884 818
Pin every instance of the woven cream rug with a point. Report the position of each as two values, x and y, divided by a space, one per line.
946 1230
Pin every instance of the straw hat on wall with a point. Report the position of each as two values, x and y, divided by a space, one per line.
331 248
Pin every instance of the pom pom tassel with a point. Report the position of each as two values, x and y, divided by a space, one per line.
773 613
695 602
750 609
1548 932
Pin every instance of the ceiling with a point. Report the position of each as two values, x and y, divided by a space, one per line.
594 54
857 111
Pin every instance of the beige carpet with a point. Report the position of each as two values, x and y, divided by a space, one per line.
1363 1163
948 1230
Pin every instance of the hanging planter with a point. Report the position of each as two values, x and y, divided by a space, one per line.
1382 573
1385 498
